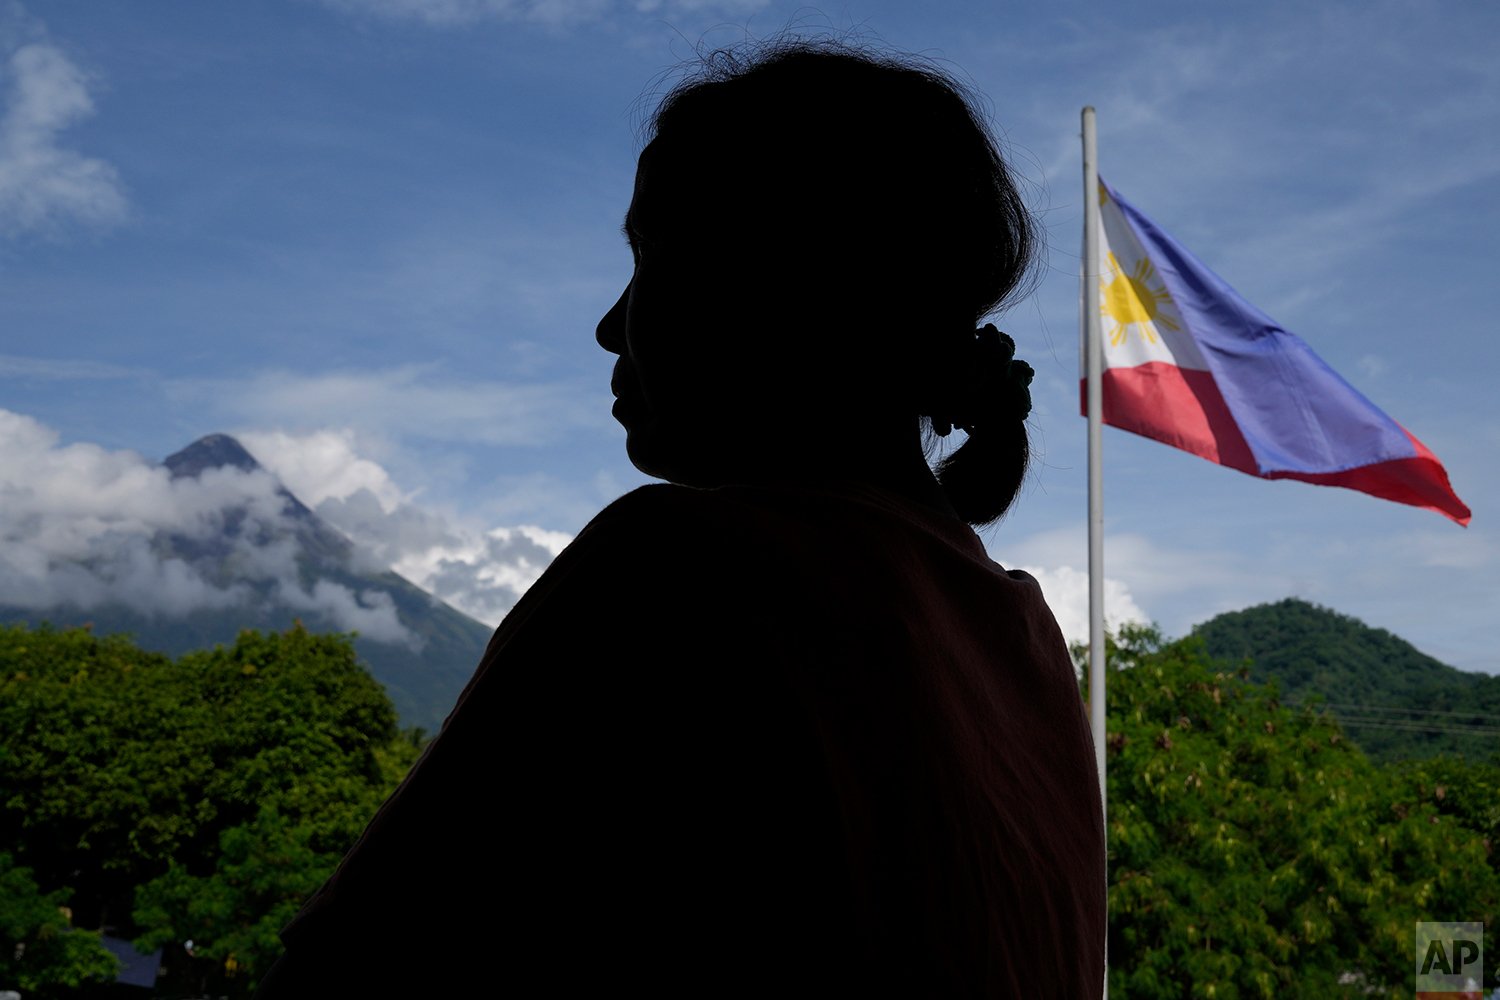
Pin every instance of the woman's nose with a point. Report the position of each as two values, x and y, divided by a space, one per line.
611 329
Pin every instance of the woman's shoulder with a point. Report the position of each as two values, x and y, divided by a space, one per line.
653 530
664 526
676 508
780 511
673 509
660 550
658 513
798 532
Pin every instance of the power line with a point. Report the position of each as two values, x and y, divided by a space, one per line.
1354 716
1415 727
1385 708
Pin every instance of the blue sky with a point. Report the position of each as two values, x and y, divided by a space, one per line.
373 237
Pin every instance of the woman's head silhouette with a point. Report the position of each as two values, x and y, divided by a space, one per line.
816 231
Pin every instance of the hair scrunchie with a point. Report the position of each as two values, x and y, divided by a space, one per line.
990 385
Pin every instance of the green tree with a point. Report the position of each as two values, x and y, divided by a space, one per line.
200 798
306 749
264 872
1255 852
39 950
102 778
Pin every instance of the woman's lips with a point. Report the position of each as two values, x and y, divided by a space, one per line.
624 405
621 385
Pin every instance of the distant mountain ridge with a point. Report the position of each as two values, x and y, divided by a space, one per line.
423 668
1394 700
212 451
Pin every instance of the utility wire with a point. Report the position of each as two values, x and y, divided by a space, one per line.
1353 715
1415 727
1386 708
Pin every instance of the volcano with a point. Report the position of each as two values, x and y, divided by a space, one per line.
268 561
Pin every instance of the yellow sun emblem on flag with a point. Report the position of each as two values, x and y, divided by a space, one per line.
1134 299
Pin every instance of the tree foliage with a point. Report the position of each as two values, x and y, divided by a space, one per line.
200 798
39 949
1256 852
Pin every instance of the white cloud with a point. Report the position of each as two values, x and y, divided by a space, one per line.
484 574
1447 549
1067 592
371 613
480 570
57 500
320 465
61 369
406 402
448 13
87 527
1216 147
458 12
1180 586
113 567
43 184
1371 366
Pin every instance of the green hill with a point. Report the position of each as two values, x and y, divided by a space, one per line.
1394 700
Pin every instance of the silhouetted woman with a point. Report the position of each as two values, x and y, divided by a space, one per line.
778 727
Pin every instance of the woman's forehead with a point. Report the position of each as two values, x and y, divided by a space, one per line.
670 184
666 166
707 182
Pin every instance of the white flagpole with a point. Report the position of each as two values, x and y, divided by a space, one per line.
1093 352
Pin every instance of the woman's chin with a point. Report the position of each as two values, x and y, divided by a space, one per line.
661 454
643 442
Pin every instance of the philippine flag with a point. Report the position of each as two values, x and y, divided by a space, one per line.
1190 363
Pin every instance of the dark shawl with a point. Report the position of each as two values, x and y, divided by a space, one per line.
741 742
